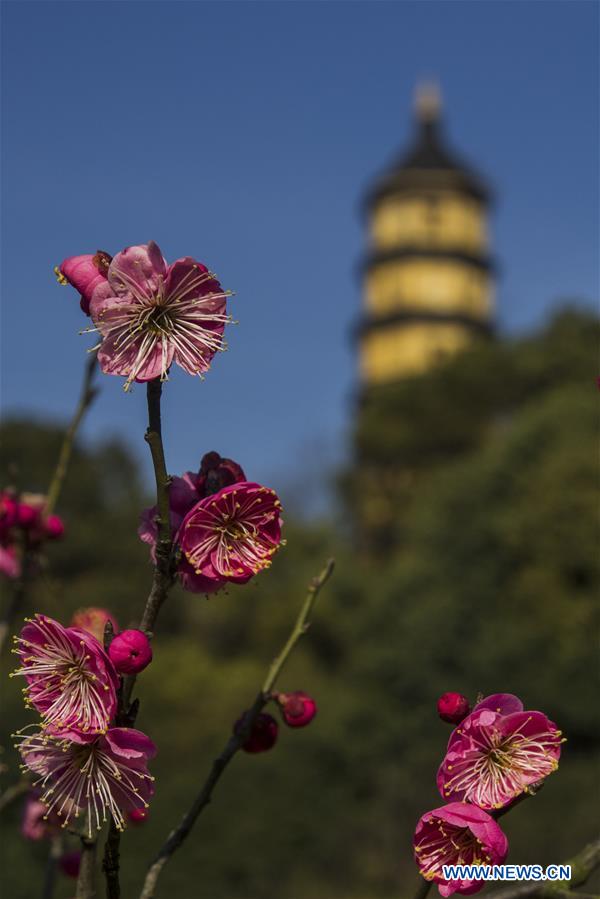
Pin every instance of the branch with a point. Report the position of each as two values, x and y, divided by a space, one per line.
86 398
164 575
110 862
236 741
582 867
86 881
56 848
88 393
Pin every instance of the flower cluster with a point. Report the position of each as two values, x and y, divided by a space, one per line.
497 753
84 764
147 313
24 526
227 528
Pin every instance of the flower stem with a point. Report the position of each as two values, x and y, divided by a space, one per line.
86 880
163 570
110 862
56 848
235 742
162 581
86 398
423 889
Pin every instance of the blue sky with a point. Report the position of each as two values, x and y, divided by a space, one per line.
244 134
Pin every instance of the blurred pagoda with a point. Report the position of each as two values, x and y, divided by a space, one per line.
427 274
427 299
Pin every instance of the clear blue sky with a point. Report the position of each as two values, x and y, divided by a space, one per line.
244 134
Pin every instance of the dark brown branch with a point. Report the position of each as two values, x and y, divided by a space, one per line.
162 581
110 862
86 398
236 741
56 848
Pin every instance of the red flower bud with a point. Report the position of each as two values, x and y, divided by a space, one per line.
54 527
27 515
263 735
216 473
137 815
297 709
130 652
453 707
69 863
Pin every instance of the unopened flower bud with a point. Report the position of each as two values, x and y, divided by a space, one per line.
69 863
130 652
137 815
93 620
27 515
298 709
216 473
453 707
54 527
263 735
85 273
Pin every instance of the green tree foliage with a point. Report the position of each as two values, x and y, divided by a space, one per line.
485 581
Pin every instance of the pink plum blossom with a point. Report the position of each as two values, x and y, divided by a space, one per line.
93 620
497 753
184 493
130 652
453 707
96 775
150 314
457 834
84 273
233 534
297 709
70 679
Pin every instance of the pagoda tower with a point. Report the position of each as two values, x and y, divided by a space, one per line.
427 274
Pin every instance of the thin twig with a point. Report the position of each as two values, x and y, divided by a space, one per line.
235 742
86 398
88 393
86 880
163 571
56 848
423 889
162 581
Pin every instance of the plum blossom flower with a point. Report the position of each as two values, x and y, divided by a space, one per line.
215 473
453 707
96 775
233 534
498 752
24 525
150 314
93 620
297 709
70 679
130 652
457 834
84 273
